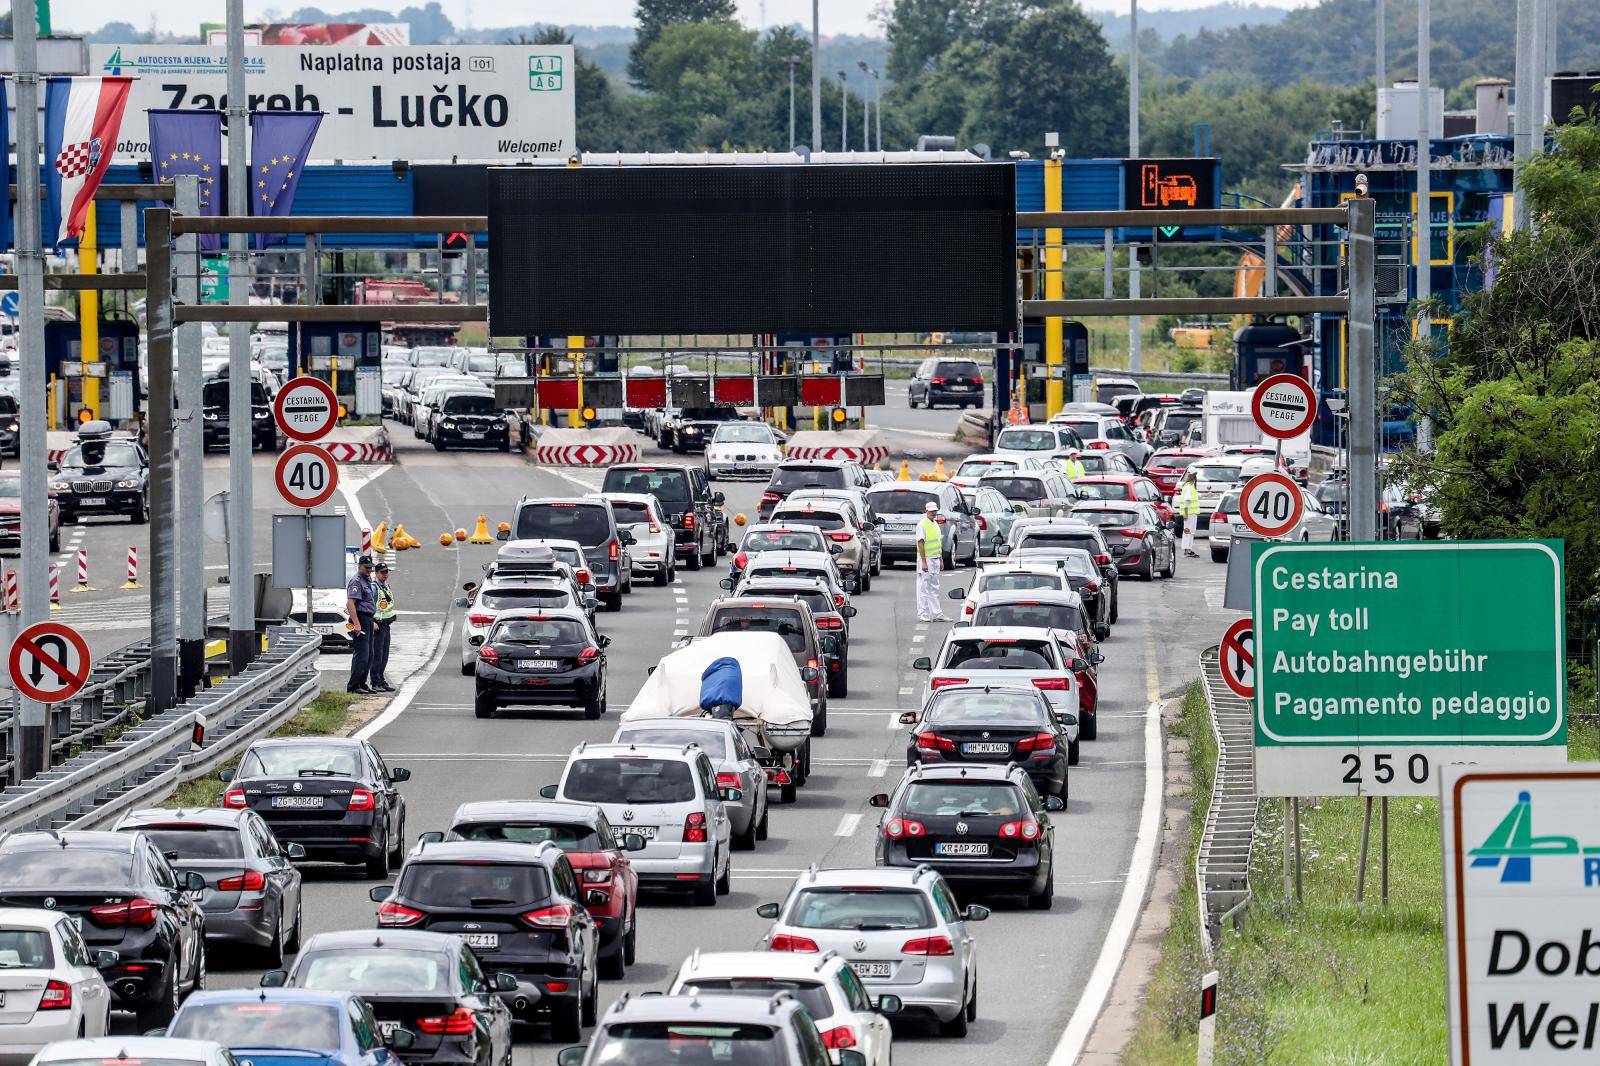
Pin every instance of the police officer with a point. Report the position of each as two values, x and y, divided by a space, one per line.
1188 500
1073 467
361 603
930 549
383 620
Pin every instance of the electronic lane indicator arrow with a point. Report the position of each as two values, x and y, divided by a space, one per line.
49 662
1284 406
1238 658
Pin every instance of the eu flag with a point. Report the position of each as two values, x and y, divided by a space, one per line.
190 142
280 142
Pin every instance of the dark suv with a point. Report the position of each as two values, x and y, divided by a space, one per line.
214 416
692 427
129 904
521 910
686 497
587 520
809 474
952 381
102 474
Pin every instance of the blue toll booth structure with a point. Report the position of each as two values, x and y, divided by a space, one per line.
347 355
117 368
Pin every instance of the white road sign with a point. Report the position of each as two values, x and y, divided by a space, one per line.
1270 504
306 475
1284 406
306 408
424 102
1521 881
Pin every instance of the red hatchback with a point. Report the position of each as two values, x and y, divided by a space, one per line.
11 513
1167 466
1125 488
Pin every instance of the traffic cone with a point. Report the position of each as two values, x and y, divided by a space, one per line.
939 472
401 539
480 534
380 538
445 540
905 470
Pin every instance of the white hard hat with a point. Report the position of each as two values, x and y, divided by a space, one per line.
930 506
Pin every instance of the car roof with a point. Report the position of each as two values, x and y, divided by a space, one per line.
593 499
630 497
780 964
331 742
412 939
327 997
1058 521
758 601
480 851
565 812
623 749
94 840
687 725
957 771
650 468
1020 568
1111 505
847 876
780 527
986 632
814 464
806 504
770 559
218 816
1110 479
29 917
997 475
566 611
992 597
755 585
110 1048
705 1008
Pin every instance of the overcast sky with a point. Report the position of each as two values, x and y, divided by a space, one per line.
838 16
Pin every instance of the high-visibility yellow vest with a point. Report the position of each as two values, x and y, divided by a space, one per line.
932 539
1072 468
386 608
1188 499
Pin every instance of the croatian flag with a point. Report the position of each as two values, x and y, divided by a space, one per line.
82 117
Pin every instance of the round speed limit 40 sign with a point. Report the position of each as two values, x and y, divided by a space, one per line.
1270 505
307 475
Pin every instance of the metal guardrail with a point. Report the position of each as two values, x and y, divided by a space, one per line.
146 761
1222 866
112 697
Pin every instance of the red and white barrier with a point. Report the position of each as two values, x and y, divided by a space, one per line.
366 542
351 452
133 568
866 447
55 587
584 447
83 572
10 594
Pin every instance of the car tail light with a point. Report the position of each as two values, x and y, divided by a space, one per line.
583 575
1102 559
812 663
614 550
459 1022
234 798
1025 830
478 618
1136 534
1099 445
688 520
488 654
654 528
830 621
1218 516
58 996
1037 742
1091 586
588 655
362 800
557 987
694 829
934 946
394 914
786 942
840 1036
249 881
969 608
931 381
896 828
555 916
770 497
932 742
838 600
728 779
1051 684
140 912
983 523
740 560
842 538
940 519
596 877
943 682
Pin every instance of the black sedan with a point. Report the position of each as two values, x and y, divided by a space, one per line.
1141 544
539 658
984 828
430 984
334 796
130 904
252 894
470 420
102 474
214 415
993 727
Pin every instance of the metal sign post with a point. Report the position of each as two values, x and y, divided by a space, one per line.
241 491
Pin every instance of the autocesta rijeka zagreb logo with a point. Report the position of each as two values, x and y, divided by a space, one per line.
1513 847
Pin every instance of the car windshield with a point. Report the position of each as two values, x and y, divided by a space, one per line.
631 512
861 908
1059 540
539 631
481 363
1102 463
819 602
813 995
294 760
1104 490
259 1024
949 798
142 1060
1087 428
710 414
465 885
1173 462
688 1042
788 478
1030 615
371 972
1229 504
1179 421
25 949
587 523
1217 475
1020 582
1328 492
977 707
903 501
1077 561
216 394
1017 489
742 433
805 517
780 569
630 780
979 467
1104 517
960 368
712 742
668 486
195 841
503 598
798 540
786 624
101 453
469 403
1027 440
430 356
564 836
999 653
54 866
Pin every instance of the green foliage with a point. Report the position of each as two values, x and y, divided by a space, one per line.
656 15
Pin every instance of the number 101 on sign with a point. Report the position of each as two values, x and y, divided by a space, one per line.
1380 770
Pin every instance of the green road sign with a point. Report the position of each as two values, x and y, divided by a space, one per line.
213 279
1376 664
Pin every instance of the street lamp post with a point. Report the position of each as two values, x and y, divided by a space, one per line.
844 115
816 78
877 98
791 62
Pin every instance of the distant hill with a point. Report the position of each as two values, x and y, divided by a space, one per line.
1171 24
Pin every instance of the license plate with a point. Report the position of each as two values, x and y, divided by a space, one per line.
482 940
386 1029
92 501
960 849
646 831
324 630
899 527
872 969
472 436
536 664
297 802
986 749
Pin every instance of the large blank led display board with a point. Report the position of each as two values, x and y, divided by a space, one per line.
751 249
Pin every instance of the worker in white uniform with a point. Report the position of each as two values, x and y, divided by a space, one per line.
930 549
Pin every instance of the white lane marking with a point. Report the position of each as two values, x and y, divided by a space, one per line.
918 638
586 486
907 691
894 721
878 768
951 435
1098 988
738 876
351 483
847 825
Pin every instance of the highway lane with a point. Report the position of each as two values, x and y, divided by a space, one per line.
1034 966
922 426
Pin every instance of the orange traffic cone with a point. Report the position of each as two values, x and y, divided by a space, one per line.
380 535
480 534
905 470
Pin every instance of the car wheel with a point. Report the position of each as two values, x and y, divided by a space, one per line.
397 857
957 1026
483 706
1114 598
972 1004
199 984
693 558
911 400
567 1027
1219 555
590 1002
613 602
839 682
1088 726
292 944
595 706
746 841
272 954
864 579
438 444
630 943
158 1015
724 883
819 728
947 560
1072 752
710 557
1149 570
614 967
378 869
660 578
877 564
787 793
141 513
468 667
705 895
761 826
55 541
1041 900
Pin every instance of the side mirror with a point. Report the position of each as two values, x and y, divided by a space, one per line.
809 674
294 851
590 600
922 663
770 910
225 775
1078 665
1017 508
1097 658
194 881
399 774
878 799
834 549
604 641
957 594
469 587
726 583
848 611
104 960
1054 803
548 792
502 534
274 979
1101 631
889 1004
1066 718
852 1058
156 1033
731 795
572 1056
908 718
633 842
504 982
760 754
379 893
432 836
977 912
401 1039
461 601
